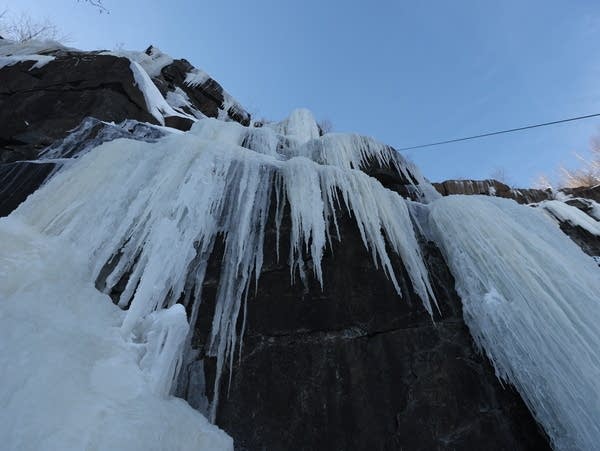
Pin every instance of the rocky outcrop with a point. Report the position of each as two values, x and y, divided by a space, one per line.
39 105
492 187
207 96
591 192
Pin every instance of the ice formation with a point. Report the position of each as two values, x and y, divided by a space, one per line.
146 214
531 300
150 212
155 102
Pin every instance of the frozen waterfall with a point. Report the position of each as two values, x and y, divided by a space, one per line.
146 216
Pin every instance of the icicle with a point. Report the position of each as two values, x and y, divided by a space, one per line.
149 213
163 332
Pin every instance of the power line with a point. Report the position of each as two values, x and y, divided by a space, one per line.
510 130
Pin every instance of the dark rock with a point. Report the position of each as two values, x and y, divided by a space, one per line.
208 97
491 188
18 180
589 243
179 122
39 106
588 192
354 366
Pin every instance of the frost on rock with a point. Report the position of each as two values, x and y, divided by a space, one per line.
530 298
149 213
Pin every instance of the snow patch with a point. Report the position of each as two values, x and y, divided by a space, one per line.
574 216
156 104
152 63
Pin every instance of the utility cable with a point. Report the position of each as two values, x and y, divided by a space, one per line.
510 130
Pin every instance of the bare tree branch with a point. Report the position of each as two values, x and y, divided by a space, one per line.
24 28
97 4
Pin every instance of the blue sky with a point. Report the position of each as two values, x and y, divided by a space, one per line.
404 72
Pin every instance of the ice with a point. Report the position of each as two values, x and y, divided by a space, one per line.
574 216
530 298
69 381
150 212
155 102
139 220
196 78
30 47
40 60
13 52
180 101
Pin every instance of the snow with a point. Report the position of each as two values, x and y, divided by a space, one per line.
40 60
152 63
196 78
530 299
180 101
574 216
155 102
158 214
12 52
69 380
30 47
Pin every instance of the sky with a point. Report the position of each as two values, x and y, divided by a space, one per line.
403 72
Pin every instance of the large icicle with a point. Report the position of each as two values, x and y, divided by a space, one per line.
149 214
531 299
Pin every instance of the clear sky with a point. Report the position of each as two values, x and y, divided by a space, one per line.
404 72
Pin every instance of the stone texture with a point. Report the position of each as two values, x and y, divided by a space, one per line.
19 180
356 367
208 97
592 192
39 106
491 187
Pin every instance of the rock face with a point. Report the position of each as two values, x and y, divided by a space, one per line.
492 188
208 97
39 105
356 367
